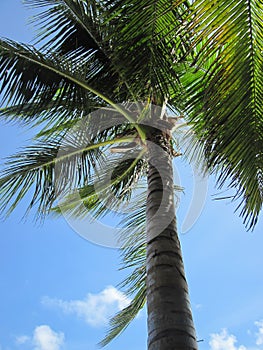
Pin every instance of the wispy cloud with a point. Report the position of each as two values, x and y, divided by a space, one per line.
224 341
95 309
198 306
43 338
22 339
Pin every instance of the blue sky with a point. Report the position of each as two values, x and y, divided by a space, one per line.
57 289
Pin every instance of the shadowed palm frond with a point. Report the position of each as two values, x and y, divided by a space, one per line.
76 26
30 76
226 105
189 146
71 26
111 187
52 170
152 31
144 34
66 26
51 120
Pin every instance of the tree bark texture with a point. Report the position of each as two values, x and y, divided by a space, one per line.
170 322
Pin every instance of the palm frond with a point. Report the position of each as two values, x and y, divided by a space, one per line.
226 107
153 31
72 26
53 169
190 147
133 241
110 188
122 319
28 75
32 168
67 26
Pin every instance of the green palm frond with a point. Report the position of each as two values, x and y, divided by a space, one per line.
51 119
92 59
153 31
66 26
144 34
30 76
71 26
52 170
189 146
111 186
226 107
34 168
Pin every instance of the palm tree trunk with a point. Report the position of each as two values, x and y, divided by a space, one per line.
170 322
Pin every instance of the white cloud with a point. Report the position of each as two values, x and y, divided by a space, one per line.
95 309
45 338
259 334
224 341
22 339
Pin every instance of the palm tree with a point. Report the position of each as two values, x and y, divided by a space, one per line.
91 61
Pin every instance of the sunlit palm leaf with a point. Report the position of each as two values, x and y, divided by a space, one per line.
227 106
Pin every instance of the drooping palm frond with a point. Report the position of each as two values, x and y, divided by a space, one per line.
66 26
24 114
52 169
33 168
110 188
75 26
35 81
30 76
133 242
107 197
121 320
226 107
188 145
